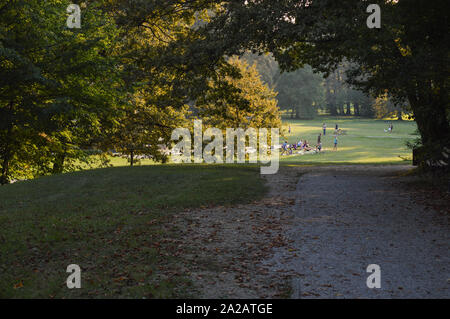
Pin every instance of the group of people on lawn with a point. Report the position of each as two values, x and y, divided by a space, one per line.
303 145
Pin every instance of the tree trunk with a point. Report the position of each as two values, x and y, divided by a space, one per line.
5 169
349 111
432 123
58 164
7 151
399 115
357 111
332 108
131 157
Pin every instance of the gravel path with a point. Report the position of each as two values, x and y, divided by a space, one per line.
346 218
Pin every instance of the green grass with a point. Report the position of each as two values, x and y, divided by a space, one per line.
365 142
113 222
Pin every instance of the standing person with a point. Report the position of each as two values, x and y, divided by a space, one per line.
319 142
337 126
324 126
289 129
284 147
335 143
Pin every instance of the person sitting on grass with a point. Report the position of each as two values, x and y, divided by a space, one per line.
291 149
306 146
319 147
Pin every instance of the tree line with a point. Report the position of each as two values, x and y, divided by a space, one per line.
303 93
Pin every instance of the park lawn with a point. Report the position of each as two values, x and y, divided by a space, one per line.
113 222
365 141
113 161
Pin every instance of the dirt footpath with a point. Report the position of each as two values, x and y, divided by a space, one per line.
225 247
314 235
347 218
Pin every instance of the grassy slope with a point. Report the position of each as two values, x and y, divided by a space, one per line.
365 142
112 222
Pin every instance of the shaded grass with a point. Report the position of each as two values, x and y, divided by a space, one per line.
113 222
365 141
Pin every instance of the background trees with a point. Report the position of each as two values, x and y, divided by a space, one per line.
302 92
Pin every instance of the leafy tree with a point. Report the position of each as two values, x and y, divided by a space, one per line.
251 104
52 84
267 67
144 130
67 92
384 107
363 103
301 91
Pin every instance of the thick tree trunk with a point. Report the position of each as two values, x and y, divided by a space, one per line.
131 157
432 123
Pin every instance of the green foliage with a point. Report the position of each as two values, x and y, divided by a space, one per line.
55 85
384 107
240 101
122 81
301 91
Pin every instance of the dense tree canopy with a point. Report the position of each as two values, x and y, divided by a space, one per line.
122 81
55 85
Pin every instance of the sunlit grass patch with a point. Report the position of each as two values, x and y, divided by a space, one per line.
365 141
